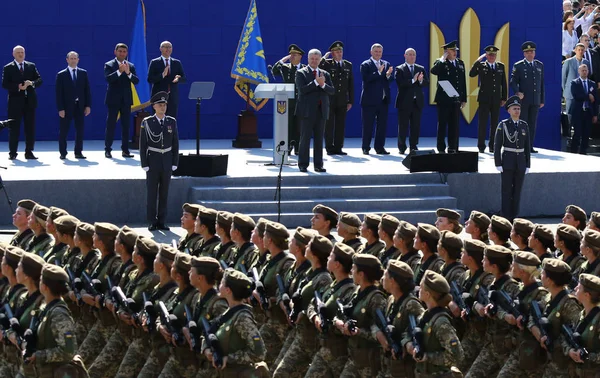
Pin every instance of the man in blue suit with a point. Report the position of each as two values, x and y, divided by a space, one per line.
119 74
583 110
165 73
74 102
375 99
570 72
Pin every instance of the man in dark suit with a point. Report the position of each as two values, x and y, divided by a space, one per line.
119 74
527 82
583 110
314 88
449 68
159 155
376 76
411 79
287 71
492 93
342 100
512 157
74 102
165 74
20 78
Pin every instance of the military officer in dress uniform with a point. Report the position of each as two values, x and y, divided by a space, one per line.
513 163
288 72
341 101
159 154
527 82
492 93
451 69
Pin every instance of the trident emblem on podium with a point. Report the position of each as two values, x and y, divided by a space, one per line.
281 107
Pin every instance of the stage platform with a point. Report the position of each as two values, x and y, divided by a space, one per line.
100 189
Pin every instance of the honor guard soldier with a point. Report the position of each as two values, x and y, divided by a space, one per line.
342 100
492 93
287 71
512 155
451 69
527 82
159 154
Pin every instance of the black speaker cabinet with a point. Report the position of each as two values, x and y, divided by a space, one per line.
429 161
202 165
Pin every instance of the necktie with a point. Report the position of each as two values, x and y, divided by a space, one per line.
315 75
585 88
162 122
74 77
21 68
168 73
412 70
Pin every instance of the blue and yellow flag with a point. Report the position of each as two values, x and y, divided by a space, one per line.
139 58
249 65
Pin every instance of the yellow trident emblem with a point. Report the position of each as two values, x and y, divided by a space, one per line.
469 42
281 107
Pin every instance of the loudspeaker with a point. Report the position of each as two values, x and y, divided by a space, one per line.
408 158
461 161
202 165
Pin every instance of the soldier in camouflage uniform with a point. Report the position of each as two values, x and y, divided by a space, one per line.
387 228
24 234
237 332
348 228
41 242
520 232
498 338
398 280
332 355
191 241
226 248
369 230
568 240
404 240
450 247
241 232
59 248
499 232
477 226
364 358
261 261
594 222
590 249
65 230
575 216
324 220
205 226
448 220
426 241
541 241
442 350
300 353
528 358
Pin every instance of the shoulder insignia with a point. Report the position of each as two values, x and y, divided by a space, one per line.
453 342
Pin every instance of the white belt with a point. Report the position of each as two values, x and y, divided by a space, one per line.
517 150
159 150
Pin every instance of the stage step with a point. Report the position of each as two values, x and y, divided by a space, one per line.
413 198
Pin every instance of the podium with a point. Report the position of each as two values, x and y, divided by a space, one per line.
280 93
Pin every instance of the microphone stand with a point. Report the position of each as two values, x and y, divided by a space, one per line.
277 196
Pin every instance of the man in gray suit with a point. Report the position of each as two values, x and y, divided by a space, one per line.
314 88
569 73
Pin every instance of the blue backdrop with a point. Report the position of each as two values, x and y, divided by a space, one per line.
205 36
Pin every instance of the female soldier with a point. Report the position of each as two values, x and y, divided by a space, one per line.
520 232
448 220
348 228
426 241
41 242
477 226
241 232
226 248
404 240
568 240
205 226
369 231
359 316
590 249
387 229
66 225
59 248
441 349
450 247
236 331
499 232
562 309
398 281
303 347
541 241
528 358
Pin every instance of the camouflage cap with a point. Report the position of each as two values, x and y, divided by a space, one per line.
400 268
526 258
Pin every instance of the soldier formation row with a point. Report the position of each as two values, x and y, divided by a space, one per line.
237 297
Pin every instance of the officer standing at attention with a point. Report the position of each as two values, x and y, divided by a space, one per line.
513 163
527 82
159 154
287 71
341 101
452 69
492 93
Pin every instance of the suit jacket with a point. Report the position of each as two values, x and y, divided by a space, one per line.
12 77
407 90
528 81
580 96
519 133
118 91
309 94
374 84
492 83
155 70
343 81
67 91
170 139
455 75
595 62
569 73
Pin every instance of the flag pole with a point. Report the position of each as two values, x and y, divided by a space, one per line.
248 96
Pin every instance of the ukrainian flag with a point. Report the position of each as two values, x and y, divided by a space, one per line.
249 65
139 58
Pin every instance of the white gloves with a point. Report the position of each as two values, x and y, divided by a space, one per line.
500 169
527 171
146 169
174 168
